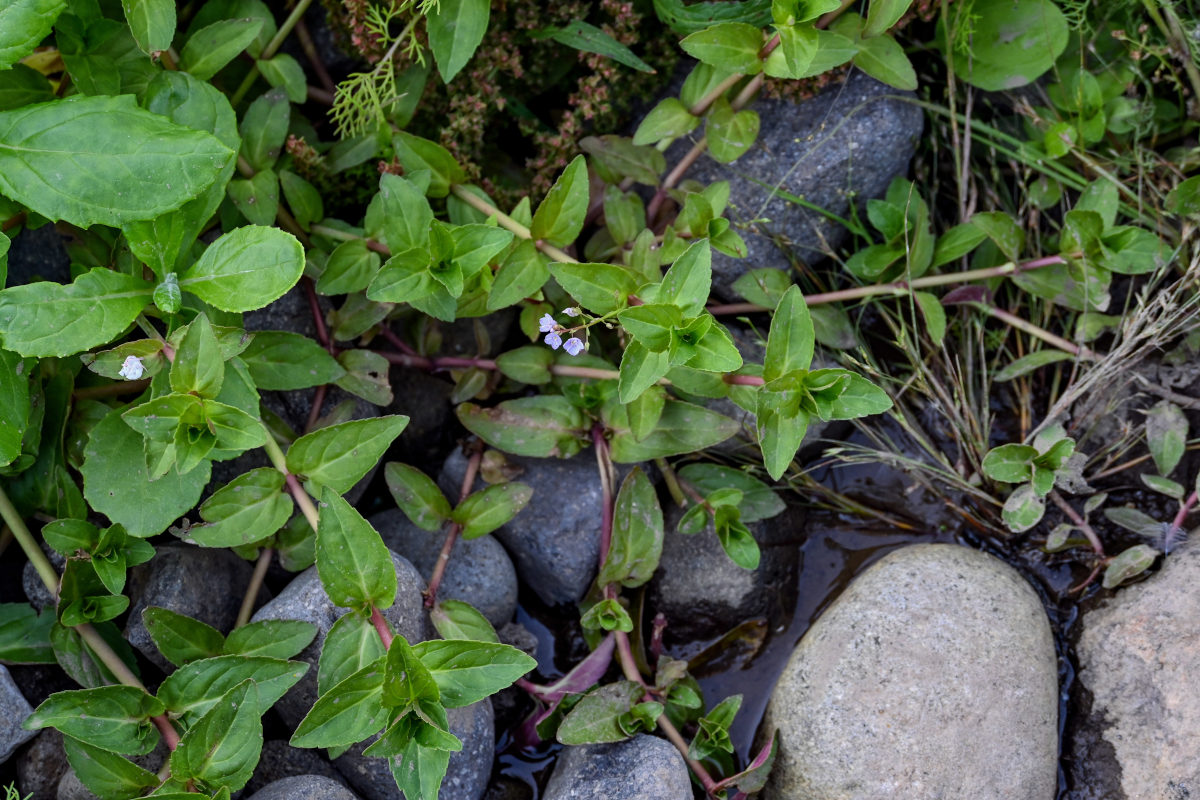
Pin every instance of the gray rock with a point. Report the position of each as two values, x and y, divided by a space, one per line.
431 429
848 142
703 593
41 766
39 596
466 774
38 255
1138 656
13 711
305 599
637 768
555 540
280 760
204 583
479 572
933 675
304 787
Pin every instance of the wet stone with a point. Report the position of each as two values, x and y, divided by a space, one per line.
38 255
641 767
13 711
280 760
304 787
479 572
1139 656
466 775
304 599
41 765
933 675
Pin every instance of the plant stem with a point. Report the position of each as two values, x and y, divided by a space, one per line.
314 58
270 49
381 627
508 223
604 464
1184 509
297 491
1079 521
256 582
45 570
1041 333
439 569
672 481
899 288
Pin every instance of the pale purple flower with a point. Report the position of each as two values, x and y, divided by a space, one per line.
573 311
554 340
132 368
574 346
547 324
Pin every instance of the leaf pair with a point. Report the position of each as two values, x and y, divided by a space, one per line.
479 514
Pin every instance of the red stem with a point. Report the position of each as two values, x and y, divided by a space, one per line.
1184 510
381 627
439 569
169 734
314 305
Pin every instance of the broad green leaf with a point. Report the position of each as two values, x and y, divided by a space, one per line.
248 509
466 671
455 619
302 197
350 268
417 496
264 128
645 410
49 319
522 275
779 436
667 120
884 59
116 482
14 403
615 157
883 14
859 398
530 364
272 638
651 324
1011 44
1166 435
956 243
1003 230
640 369
934 315
798 46
179 638
222 747
351 644
682 428
198 367
540 426
257 197
366 376
23 86
1163 485
419 770
152 23
23 26
418 154
108 775
600 288
559 218
25 634
90 160
685 18
596 718
791 339
1009 463
731 46
245 269
1030 362
193 689
114 718
730 133
284 71
340 455
455 31
355 566
688 281
212 47
759 501
280 360
637 534
1023 509
484 511
347 713
1128 564
407 682
590 39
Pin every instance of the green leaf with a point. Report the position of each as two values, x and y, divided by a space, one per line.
1023 509
641 368
859 398
23 26
1012 44
956 243
49 319
688 281
1129 564
198 367
213 46
116 482
1003 230
407 682
25 634
884 59
340 455
14 403
731 46
279 360
455 31
22 86
645 410
590 39
736 539
181 639
417 496
248 509
522 275
222 747
486 510
455 619
347 713
637 534
246 269
934 315
113 718
600 288
1030 362
607 615
530 364
596 718
476 245
418 154
108 775
539 427
559 218
1009 463
667 120
615 157
355 566
730 133
759 501
272 638
302 197
1166 435
283 71
419 770
264 128
466 671
366 376
257 197
152 23
682 428
780 433
883 14
193 689
791 339
90 160
1165 486
351 644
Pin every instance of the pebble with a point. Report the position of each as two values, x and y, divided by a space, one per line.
641 767
304 787
13 711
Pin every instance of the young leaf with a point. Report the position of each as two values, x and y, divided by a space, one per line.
272 638
730 133
731 46
1166 435
355 566
246 269
181 639
222 747
419 770
107 774
759 501
340 455
1023 509
152 23
279 360
193 689
485 511
114 718
455 31
348 713
1030 362
791 339
23 26
688 281
467 671
1009 463
417 496
103 160
637 534
590 39
198 367
667 120
600 288
596 718
351 644
455 619
1129 564
407 682
682 428
213 46
559 218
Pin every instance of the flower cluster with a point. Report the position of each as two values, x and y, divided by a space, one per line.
554 331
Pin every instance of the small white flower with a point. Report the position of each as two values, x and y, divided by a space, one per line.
554 340
573 311
546 324
132 368
574 346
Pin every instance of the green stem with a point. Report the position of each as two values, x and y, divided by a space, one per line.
279 461
270 49
1041 333
45 569
256 582
508 223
